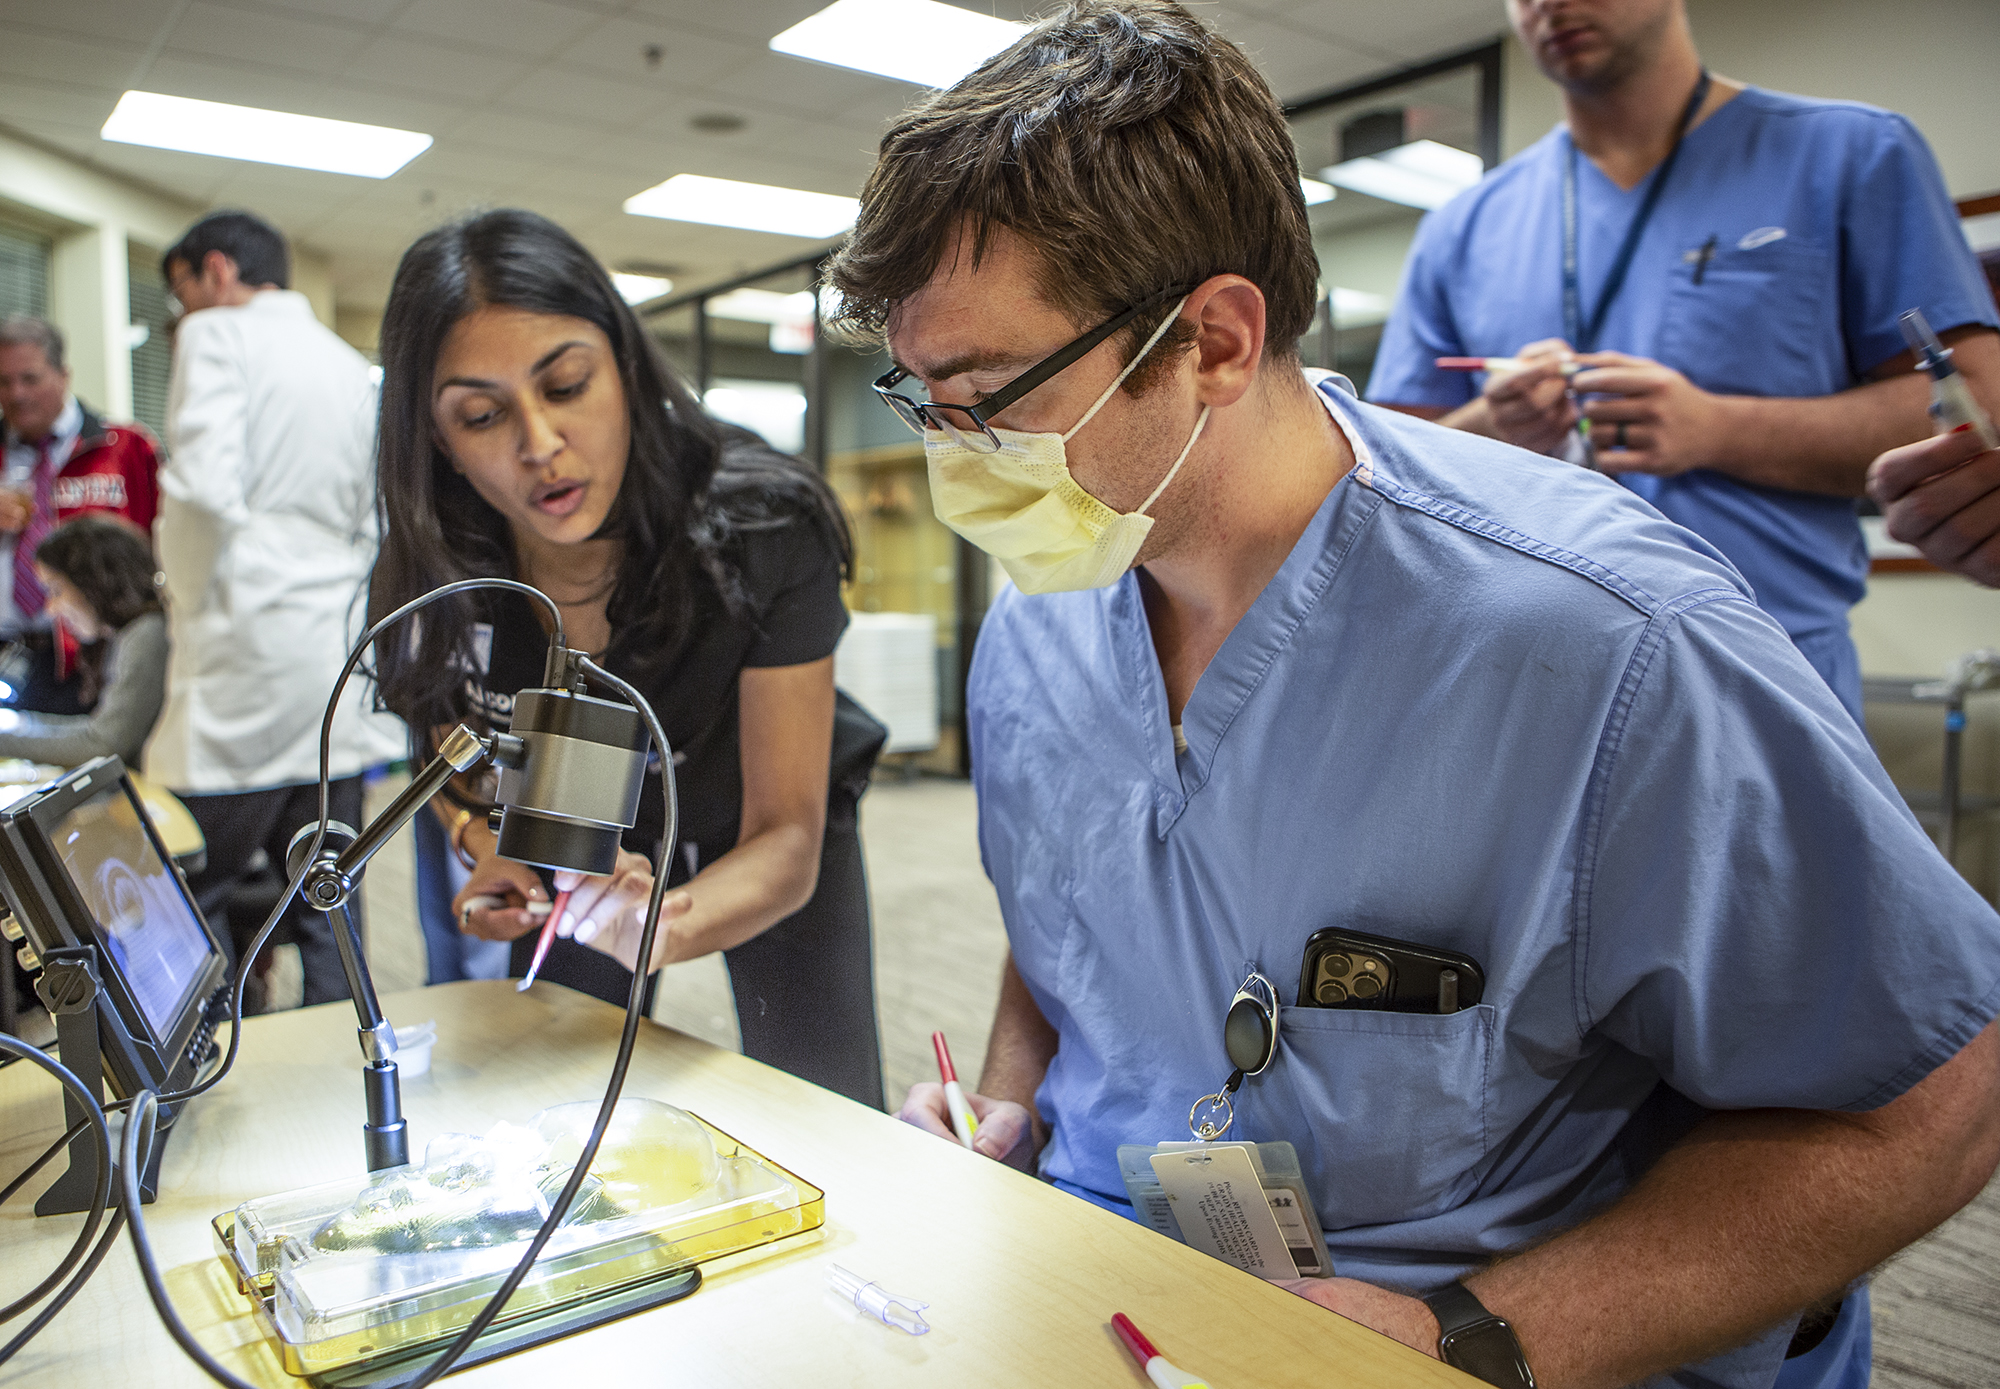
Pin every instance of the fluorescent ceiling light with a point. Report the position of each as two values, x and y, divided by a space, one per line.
790 315
1422 174
723 202
917 41
762 306
638 289
774 409
1355 308
267 137
1316 192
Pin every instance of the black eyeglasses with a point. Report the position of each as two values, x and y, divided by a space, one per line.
968 423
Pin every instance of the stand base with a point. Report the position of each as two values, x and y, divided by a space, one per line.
523 1334
78 1043
76 1188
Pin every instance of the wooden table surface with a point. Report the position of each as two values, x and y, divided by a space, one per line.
1022 1279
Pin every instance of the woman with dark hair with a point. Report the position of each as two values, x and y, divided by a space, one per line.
103 588
530 431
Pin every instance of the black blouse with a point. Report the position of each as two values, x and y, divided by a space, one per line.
791 575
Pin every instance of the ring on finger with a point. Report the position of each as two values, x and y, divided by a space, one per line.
1618 436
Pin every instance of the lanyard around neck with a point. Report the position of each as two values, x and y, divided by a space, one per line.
1582 336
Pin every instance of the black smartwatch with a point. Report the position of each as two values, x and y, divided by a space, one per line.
1472 1339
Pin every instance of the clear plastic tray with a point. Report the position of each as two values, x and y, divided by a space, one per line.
366 1266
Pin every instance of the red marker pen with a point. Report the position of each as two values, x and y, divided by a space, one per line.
962 1122
1158 1368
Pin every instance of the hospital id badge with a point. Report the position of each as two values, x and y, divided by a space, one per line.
1243 1203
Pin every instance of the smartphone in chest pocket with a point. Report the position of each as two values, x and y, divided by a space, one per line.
1351 969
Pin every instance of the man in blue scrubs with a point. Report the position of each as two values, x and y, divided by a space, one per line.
1743 362
1735 1042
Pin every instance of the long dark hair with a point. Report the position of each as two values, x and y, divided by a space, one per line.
691 487
110 565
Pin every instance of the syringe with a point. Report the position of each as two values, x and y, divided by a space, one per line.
1952 405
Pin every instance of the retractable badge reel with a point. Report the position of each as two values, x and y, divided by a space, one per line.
1250 1037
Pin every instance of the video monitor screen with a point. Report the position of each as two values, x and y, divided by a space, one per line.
160 945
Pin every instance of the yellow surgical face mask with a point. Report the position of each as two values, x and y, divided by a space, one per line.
1020 504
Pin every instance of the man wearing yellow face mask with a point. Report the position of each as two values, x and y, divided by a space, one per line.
1279 662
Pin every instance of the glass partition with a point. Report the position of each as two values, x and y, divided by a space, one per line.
1376 156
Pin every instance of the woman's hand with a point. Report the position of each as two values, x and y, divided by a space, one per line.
608 913
514 885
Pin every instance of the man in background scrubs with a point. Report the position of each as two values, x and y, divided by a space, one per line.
1747 366
1734 1046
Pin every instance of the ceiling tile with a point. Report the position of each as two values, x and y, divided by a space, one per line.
759 20
1297 64
529 137
97 63
456 161
618 47
583 98
122 21
340 101
211 79
793 84
26 99
527 27
369 12
275 40
432 69
1407 31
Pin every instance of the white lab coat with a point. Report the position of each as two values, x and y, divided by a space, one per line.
266 534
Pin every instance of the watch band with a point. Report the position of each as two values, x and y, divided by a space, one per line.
1456 1308
1472 1339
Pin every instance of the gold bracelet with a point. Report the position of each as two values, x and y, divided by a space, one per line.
457 837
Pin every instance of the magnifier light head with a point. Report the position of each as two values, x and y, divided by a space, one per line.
576 790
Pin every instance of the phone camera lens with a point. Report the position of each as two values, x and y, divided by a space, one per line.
1332 992
1337 964
1367 986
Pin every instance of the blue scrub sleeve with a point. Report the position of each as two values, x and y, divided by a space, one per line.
1758 913
1904 248
1421 328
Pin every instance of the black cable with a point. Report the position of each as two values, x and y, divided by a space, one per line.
173 1099
39 1163
94 1117
146 1102
15 1049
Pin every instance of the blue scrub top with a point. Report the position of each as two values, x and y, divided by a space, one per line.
1508 710
1829 219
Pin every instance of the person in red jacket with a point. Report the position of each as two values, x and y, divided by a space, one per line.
61 460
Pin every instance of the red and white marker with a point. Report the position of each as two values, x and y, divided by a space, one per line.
1159 1369
962 1122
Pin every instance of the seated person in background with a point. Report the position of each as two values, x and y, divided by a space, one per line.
103 590
61 461
1734 1046
1943 496
530 430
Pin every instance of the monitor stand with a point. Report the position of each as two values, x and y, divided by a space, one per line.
70 986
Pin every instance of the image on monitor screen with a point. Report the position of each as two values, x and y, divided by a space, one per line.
144 921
